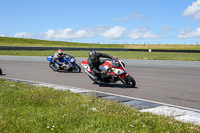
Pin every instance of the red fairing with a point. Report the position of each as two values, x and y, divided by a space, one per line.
106 63
123 75
112 73
84 62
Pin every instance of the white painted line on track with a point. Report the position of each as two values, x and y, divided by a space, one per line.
180 113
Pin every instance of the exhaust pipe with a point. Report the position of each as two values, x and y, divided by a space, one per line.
92 76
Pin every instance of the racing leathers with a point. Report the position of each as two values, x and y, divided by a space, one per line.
57 59
94 63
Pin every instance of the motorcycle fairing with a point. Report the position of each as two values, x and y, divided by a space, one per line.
50 57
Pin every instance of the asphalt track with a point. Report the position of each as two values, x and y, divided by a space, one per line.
171 82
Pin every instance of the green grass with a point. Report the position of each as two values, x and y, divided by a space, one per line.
26 108
7 41
119 54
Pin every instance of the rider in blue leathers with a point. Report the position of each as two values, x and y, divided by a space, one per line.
57 57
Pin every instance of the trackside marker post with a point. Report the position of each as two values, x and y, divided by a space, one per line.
149 50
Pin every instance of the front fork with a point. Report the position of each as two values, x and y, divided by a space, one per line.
121 77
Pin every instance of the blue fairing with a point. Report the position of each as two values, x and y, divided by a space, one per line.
68 60
50 58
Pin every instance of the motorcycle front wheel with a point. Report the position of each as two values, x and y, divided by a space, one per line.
130 81
77 68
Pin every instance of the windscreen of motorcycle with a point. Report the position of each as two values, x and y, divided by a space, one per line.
116 63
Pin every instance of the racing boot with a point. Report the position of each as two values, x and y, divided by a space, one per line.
58 67
97 79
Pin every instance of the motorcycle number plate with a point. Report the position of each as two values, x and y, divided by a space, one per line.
72 60
118 71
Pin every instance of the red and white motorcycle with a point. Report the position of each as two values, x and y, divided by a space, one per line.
115 71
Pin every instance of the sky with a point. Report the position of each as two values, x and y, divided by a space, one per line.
103 21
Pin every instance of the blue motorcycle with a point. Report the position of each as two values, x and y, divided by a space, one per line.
68 64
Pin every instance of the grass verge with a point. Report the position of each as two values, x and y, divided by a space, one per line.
26 108
119 54
8 41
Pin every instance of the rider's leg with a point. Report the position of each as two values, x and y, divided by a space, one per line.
97 77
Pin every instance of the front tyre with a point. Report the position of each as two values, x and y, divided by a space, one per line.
130 81
77 68
52 66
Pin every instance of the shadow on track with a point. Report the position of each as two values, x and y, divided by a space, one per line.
116 86
68 72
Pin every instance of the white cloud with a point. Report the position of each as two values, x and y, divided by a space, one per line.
193 10
142 33
68 33
23 35
107 32
113 32
187 33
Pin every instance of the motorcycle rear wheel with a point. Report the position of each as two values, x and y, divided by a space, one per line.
130 81
52 66
0 71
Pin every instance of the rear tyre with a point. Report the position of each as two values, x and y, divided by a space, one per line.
0 71
52 66
130 81
77 68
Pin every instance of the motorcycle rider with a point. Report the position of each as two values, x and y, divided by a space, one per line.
94 63
57 57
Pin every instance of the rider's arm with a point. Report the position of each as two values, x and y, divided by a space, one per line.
104 55
67 54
